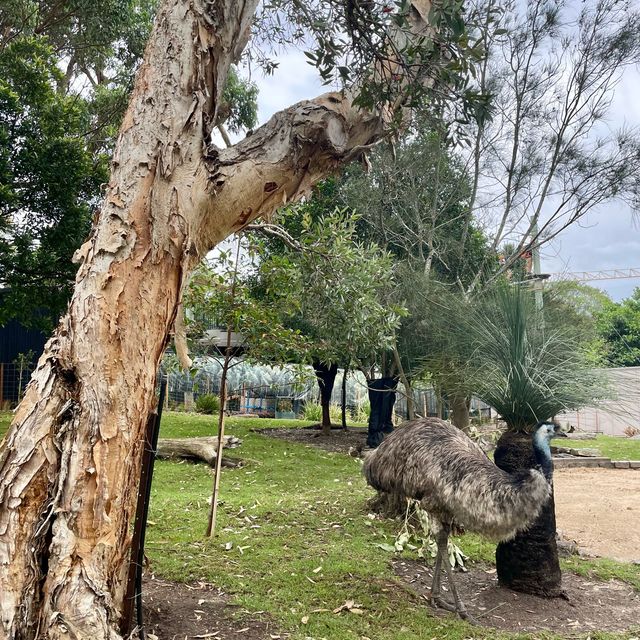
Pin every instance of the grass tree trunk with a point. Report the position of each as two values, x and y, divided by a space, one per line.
528 563
70 463
382 398
326 376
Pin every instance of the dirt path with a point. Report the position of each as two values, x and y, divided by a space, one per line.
600 510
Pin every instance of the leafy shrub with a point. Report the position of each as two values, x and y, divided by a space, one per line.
208 403
284 405
312 411
362 412
335 413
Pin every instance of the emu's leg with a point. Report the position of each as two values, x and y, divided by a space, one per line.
437 600
442 540
459 605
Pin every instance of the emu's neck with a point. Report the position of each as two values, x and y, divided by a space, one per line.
542 452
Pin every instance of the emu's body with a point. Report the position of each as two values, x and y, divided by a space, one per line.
436 463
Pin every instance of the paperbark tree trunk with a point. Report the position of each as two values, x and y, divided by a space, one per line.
70 463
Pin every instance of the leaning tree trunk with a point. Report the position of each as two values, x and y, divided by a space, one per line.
70 463
326 376
528 563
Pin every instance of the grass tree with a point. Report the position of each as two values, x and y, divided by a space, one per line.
529 368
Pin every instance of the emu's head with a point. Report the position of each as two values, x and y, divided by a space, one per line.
542 451
547 430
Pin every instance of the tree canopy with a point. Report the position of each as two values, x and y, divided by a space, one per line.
618 328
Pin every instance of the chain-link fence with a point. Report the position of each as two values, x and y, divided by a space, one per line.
14 377
283 391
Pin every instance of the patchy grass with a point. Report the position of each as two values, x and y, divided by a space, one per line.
616 448
5 421
294 540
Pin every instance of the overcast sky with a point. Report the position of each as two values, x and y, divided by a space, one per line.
608 239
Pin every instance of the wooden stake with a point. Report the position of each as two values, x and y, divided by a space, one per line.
213 511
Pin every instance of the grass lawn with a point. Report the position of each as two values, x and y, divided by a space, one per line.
611 447
294 540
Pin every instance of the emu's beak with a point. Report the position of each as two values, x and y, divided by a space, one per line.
560 432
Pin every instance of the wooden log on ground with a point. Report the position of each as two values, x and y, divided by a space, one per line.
198 449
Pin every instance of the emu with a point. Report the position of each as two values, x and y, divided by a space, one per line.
434 462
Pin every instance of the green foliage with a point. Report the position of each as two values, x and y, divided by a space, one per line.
223 294
208 403
331 284
56 135
312 411
519 362
415 204
66 71
48 181
240 103
335 413
362 412
618 327
379 55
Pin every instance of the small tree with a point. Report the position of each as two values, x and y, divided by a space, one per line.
335 284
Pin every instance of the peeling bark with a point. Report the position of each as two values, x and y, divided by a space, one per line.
70 463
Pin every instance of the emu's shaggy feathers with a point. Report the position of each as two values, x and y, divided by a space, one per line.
433 461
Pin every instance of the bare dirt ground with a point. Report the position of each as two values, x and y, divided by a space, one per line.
591 605
600 510
339 440
175 611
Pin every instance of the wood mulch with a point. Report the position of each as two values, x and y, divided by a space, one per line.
340 441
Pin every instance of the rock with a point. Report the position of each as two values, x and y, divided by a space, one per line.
583 453
621 464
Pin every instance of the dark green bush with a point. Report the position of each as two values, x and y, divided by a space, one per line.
208 403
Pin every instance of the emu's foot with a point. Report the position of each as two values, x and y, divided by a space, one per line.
464 614
440 603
